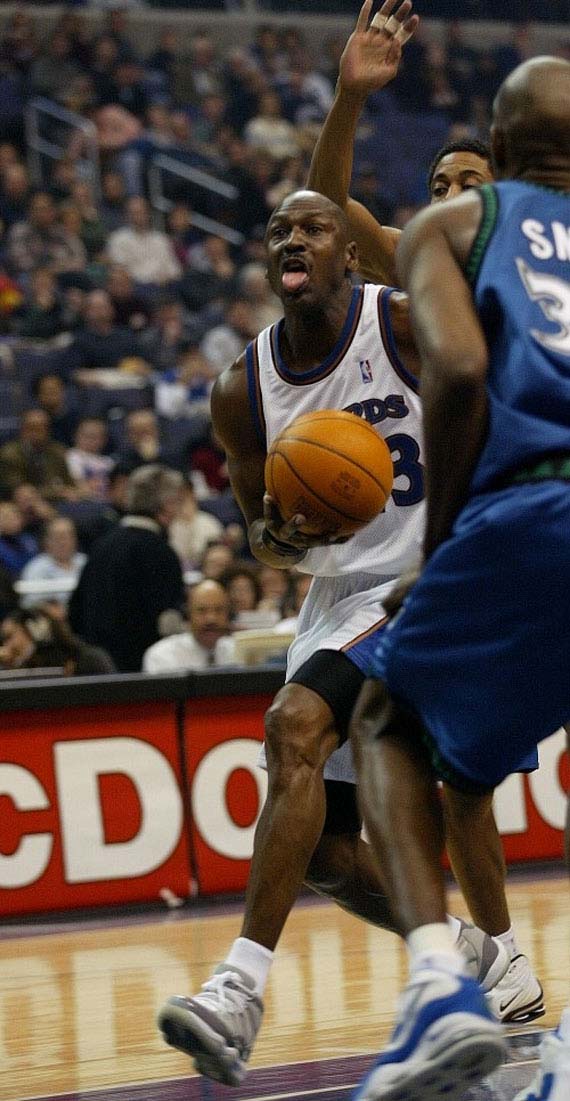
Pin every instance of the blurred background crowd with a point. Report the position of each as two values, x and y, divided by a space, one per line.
135 184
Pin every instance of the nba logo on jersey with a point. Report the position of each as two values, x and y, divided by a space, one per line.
365 370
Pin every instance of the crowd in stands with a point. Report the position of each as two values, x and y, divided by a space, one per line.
115 322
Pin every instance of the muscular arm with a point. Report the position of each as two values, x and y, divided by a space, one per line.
330 173
370 61
453 351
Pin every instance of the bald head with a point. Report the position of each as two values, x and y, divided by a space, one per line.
531 118
313 200
208 612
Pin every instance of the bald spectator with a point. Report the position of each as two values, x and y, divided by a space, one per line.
41 241
146 253
36 458
60 562
132 576
205 642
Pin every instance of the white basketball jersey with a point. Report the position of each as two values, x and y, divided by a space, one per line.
363 375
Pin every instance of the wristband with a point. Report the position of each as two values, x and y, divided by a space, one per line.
287 550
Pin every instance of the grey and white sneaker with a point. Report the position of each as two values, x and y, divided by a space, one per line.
518 997
216 1027
487 959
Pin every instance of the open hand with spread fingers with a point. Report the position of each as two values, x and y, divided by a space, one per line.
372 54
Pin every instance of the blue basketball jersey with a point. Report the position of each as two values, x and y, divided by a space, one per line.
520 271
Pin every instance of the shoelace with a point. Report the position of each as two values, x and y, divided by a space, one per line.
219 992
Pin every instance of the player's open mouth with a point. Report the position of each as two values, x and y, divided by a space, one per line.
294 276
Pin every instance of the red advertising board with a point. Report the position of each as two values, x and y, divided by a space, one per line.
227 789
222 740
91 810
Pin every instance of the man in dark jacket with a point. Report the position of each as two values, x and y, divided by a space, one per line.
132 575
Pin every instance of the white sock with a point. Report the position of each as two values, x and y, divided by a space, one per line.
508 939
433 946
252 958
564 1026
454 926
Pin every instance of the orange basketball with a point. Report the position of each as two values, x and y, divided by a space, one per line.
332 468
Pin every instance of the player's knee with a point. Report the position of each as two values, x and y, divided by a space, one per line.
297 730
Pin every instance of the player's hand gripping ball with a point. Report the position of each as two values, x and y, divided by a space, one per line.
333 469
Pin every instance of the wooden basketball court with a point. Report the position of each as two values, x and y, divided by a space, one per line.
78 999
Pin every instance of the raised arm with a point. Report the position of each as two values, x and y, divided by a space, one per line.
369 62
453 351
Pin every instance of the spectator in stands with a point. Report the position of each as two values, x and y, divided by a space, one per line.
146 253
41 241
210 463
147 441
60 561
132 311
132 576
101 344
19 40
182 391
16 546
163 59
128 89
206 642
93 231
192 530
251 208
225 342
51 395
181 231
274 585
35 511
43 315
170 330
117 28
88 466
205 71
270 131
38 639
211 274
62 179
217 558
36 458
14 194
113 198
55 69
244 591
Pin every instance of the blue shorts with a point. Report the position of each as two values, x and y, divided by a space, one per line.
481 650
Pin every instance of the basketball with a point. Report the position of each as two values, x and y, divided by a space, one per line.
332 468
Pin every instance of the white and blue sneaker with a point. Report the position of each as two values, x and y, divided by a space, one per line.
445 1041
552 1083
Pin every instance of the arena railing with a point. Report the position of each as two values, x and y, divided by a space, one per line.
163 164
40 147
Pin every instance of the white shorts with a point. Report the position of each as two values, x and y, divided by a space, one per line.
336 614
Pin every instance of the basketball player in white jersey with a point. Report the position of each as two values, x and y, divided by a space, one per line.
341 347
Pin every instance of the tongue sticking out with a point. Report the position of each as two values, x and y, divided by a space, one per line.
293 280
